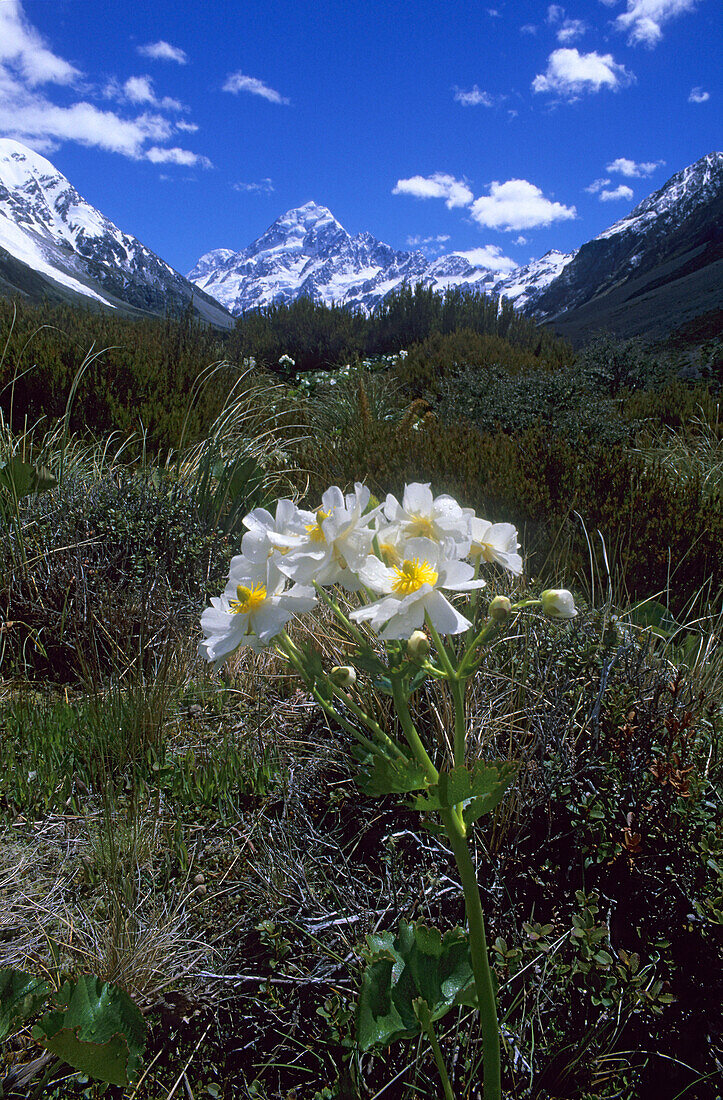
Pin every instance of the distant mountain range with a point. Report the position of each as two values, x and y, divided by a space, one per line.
657 268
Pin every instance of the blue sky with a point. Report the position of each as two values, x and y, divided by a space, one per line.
503 127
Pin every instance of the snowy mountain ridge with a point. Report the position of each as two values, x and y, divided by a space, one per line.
51 229
307 252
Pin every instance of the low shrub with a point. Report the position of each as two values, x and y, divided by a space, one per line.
104 571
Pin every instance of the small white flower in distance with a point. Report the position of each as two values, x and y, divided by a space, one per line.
496 542
335 543
412 590
422 515
558 603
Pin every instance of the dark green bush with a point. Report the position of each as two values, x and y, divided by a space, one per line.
659 532
110 569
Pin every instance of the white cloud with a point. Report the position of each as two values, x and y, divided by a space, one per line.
139 90
570 30
29 115
597 185
620 192
413 242
24 50
632 170
520 240
697 95
474 98
239 82
439 186
494 13
187 127
569 73
163 51
555 13
518 204
528 28
644 18
490 256
265 186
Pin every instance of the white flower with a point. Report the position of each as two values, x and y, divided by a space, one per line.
420 515
495 542
336 541
558 603
257 545
412 590
249 613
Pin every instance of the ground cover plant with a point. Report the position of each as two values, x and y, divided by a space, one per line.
200 842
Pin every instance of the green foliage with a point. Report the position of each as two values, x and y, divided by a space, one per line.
92 1026
480 788
415 970
94 550
96 1029
21 995
20 479
661 534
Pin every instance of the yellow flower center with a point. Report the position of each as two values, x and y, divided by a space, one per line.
483 550
316 532
411 575
420 527
389 554
247 599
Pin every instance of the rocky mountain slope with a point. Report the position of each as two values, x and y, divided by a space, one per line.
54 244
656 268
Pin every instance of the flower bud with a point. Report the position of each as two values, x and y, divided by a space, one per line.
558 603
343 676
418 646
500 609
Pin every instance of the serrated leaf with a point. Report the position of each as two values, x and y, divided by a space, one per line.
480 787
382 775
20 996
101 1032
417 964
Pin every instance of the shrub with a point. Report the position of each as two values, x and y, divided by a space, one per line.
112 568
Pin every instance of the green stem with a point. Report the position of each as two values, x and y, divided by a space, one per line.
413 739
460 722
442 1069
369 722
331 602
468 664
444 654
480 958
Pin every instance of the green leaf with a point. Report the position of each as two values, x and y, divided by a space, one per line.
480 788
20 996
101 1032
21 478
383 775
417 964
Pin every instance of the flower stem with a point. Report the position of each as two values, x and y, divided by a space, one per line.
442 1069
410 732
480 958
444 654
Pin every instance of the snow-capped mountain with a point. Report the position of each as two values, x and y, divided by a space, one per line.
54 243
307 253
660 261
670 236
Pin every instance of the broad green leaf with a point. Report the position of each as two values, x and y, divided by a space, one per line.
20 996
21 478
417 964
382 775
100 1033
480 788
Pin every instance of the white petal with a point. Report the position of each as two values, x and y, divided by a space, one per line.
445 618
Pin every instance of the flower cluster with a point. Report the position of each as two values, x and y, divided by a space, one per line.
401 556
